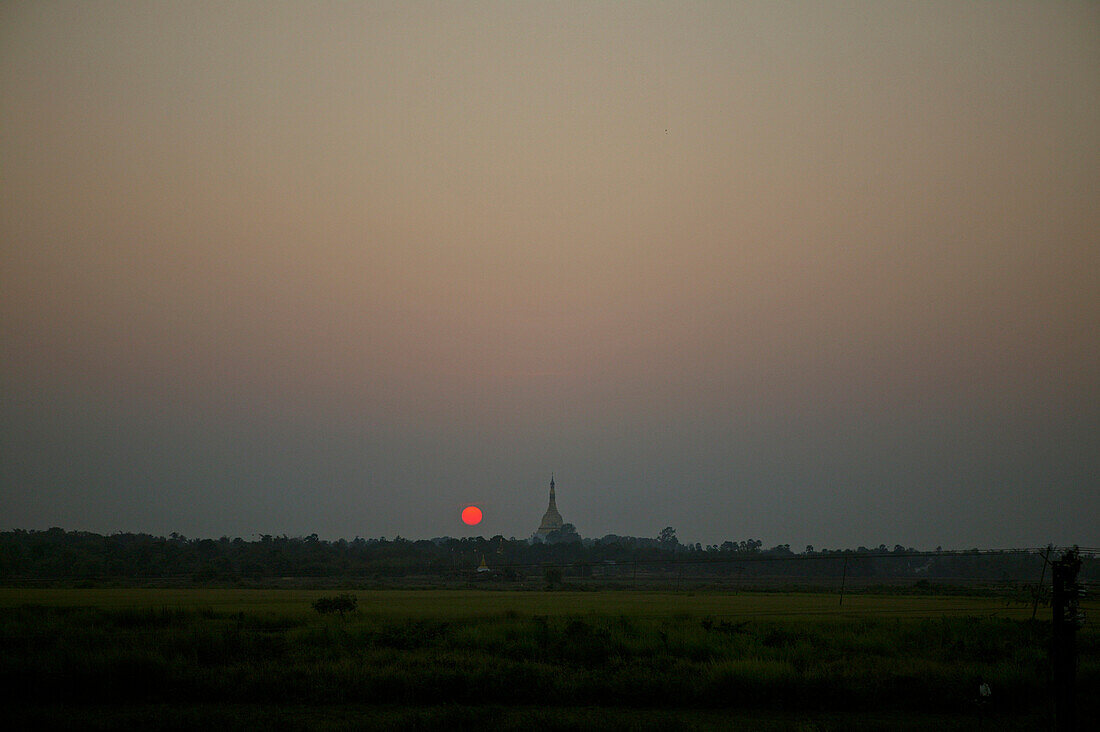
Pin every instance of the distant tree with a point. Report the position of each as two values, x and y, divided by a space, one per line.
667 537
553 577
567 533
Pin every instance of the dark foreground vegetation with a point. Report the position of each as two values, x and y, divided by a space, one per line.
499 660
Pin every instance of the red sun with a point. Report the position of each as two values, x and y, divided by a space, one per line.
471 515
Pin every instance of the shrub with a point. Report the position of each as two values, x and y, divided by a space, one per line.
339 604
553 577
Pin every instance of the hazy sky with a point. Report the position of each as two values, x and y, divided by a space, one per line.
805 272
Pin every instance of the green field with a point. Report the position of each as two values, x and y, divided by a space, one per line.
183 659
399 604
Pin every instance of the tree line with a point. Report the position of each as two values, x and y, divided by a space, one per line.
64 556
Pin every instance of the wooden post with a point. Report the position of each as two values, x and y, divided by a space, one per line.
843 580
1042 576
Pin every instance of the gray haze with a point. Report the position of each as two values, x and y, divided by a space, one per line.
820 273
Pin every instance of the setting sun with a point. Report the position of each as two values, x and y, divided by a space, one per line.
471 515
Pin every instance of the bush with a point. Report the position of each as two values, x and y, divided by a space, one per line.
339 604
553 577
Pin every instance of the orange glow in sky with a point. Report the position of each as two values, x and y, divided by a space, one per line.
746 269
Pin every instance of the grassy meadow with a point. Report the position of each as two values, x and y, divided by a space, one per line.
107 658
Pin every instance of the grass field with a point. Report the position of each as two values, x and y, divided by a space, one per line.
481 603
233 659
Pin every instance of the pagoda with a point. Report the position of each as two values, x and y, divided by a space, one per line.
551 520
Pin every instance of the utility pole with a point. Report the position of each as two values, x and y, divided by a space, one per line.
1067 618
843 580
1042 576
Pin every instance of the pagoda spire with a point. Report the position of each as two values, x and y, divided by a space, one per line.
551 520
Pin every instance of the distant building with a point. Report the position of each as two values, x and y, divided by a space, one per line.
551 520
